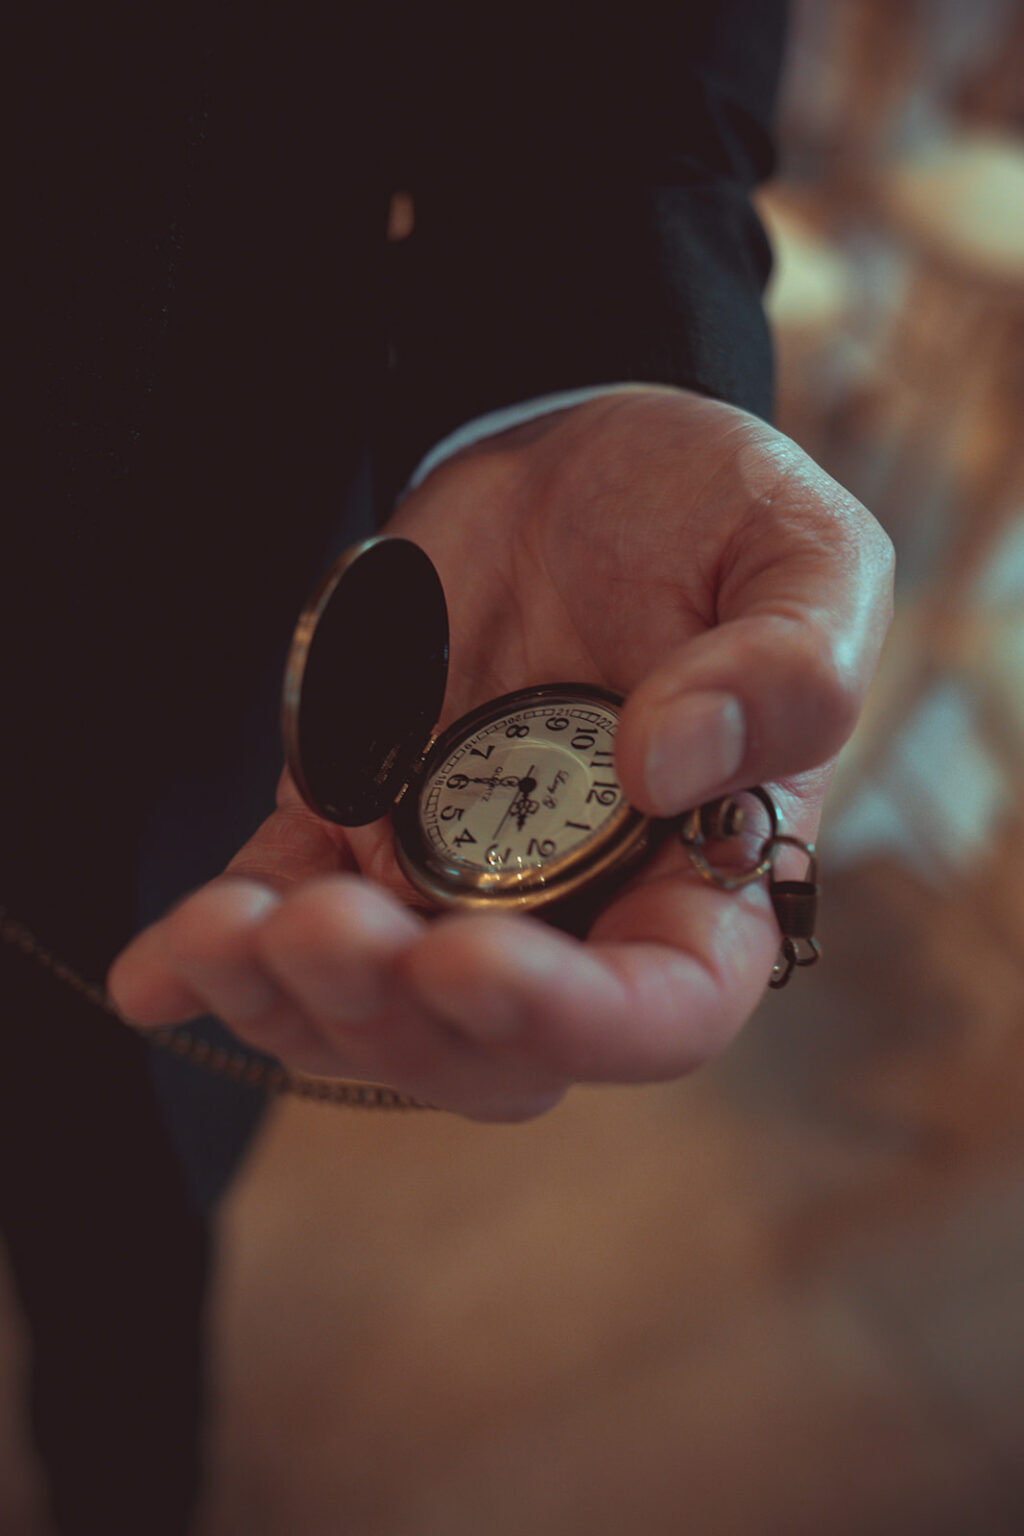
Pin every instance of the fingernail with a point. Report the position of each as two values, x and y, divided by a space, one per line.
697 745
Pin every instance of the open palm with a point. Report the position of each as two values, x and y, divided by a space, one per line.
656 543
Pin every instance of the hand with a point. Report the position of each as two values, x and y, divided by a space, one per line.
654 542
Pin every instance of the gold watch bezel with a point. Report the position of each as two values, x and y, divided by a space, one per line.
622 840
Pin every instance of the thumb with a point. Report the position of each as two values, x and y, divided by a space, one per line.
803 602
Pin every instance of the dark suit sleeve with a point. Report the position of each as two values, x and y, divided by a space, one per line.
583 216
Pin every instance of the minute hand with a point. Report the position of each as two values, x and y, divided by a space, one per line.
524 787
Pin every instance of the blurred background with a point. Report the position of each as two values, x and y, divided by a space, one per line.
786 1296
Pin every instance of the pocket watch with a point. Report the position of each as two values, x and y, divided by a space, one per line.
516 806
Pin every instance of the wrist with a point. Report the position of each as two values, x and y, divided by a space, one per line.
523 413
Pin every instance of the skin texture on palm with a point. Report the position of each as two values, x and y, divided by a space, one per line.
654 542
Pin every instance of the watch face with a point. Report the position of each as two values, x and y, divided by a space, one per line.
520 800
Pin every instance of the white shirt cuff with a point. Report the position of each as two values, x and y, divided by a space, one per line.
509 416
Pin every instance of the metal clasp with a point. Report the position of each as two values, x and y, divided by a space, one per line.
721 819
795 902
796 909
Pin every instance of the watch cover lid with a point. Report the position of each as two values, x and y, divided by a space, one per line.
365 679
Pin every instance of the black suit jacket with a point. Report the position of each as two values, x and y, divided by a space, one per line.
214 328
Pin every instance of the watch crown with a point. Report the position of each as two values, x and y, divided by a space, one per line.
722 818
